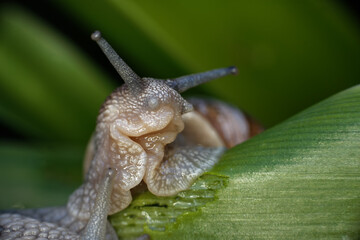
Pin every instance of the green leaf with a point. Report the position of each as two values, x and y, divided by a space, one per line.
48 89
300 179
291 54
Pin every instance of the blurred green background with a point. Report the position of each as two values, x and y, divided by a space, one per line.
53 78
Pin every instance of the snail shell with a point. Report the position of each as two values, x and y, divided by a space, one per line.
230 125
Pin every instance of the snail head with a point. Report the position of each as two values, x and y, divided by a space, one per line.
152 103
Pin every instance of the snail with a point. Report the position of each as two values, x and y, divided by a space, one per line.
146 132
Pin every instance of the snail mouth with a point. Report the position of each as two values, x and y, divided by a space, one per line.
153 142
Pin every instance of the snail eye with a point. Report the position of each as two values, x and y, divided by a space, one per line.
153 103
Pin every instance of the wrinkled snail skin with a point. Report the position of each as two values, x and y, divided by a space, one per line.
146 133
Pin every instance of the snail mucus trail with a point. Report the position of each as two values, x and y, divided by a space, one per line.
145 132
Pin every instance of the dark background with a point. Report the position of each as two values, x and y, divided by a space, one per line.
64 23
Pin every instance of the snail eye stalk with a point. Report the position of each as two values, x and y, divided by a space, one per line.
183 83
132 80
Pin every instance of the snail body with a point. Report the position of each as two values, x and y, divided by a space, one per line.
146 131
